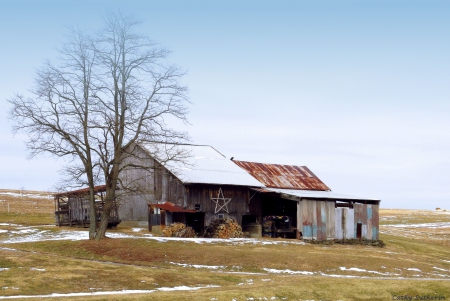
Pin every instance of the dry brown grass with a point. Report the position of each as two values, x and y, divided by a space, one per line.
115 264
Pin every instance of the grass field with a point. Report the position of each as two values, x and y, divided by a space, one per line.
137 266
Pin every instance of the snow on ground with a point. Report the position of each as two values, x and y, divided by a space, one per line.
34 234
27 195
274 271
424 225
198 266
123 292
366 271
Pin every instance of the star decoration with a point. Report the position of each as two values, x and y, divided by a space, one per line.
224 200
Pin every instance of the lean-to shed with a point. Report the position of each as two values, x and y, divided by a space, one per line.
72 208
316 211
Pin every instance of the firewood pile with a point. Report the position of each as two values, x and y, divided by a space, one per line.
223 228
178 230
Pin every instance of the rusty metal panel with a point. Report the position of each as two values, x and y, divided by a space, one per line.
321 220
375 221
300 216
330 220
283 176
309 219
339 233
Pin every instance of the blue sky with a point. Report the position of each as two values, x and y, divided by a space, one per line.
358 91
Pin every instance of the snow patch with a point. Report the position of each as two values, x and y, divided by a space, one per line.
274 271
414 269
198 266
123 292
4 269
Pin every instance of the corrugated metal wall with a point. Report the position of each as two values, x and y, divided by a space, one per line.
315 219
367 215
344 223
320 220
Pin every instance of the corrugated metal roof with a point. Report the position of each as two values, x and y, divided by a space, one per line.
283 176
171 207
200 164
100 188
315 194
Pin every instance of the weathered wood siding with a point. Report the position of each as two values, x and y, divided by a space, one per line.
79 208
315 219
167 188
202 195
138 186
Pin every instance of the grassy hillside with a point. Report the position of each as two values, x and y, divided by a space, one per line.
267 269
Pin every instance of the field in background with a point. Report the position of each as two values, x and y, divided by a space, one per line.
416 261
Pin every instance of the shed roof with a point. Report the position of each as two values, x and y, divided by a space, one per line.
283 176
100 188
315 194
171 207
199 164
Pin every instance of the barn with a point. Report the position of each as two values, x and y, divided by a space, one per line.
200 181
195 184
72 207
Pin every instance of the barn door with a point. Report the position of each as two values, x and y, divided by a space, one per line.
358 230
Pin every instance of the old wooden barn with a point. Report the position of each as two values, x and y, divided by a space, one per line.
199 180
72 207
200 185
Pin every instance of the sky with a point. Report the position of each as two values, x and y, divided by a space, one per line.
358 91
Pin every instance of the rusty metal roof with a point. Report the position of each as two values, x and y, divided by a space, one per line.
283 176
171 207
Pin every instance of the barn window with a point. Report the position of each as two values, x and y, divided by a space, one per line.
221 215
197 207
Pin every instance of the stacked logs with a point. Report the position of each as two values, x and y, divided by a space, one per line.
178 230
223 228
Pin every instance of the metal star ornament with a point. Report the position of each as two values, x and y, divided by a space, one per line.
218 199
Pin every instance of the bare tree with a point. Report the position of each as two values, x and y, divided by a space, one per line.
104 93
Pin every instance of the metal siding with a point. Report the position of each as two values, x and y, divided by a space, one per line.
300 216
375 221
349 223
314 218
338 223
330 220
308 218
369 222
322 222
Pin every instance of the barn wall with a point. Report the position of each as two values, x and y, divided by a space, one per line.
202 194
315 219
139 184
344 223
368 216
167 187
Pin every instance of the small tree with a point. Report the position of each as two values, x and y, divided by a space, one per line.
104 93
